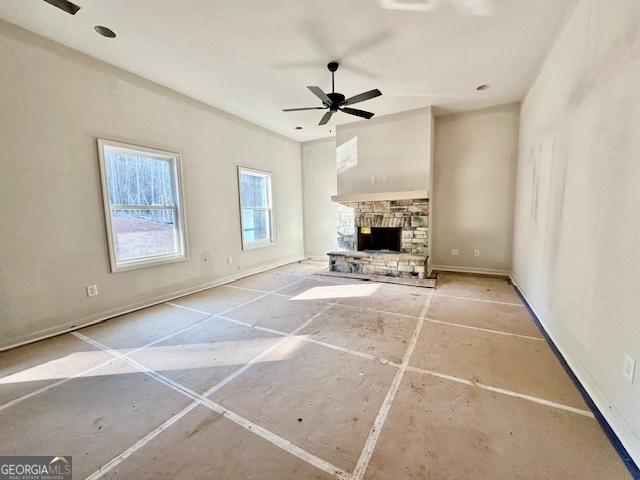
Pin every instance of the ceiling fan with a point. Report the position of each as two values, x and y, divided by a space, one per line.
338 102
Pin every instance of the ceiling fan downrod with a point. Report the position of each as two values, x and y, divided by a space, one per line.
333 66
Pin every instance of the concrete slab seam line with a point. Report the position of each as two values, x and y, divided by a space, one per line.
478 299
487 330
378 424
416 369
201 399
503 391
100 365
471 327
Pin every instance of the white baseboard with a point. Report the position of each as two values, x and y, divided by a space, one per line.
618 424
101 317
485 271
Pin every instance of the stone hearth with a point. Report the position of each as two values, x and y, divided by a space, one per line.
378 263
412 216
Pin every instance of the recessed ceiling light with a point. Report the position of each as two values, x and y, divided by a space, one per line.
482 87
104 31
298 128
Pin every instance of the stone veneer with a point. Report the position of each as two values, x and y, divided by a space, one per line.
410 215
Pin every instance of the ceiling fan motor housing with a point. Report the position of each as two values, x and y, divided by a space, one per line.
336 100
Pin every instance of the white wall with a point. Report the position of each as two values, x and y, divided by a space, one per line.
474 187
398 146
431 189
55 102
319 182
577 219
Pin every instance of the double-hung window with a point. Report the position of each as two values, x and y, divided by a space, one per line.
143 205
256 208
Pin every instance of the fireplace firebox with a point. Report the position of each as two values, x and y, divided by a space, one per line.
379 238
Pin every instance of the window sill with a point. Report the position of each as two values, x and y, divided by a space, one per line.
125 267
253 246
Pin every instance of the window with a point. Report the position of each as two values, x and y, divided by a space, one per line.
256 208
143 205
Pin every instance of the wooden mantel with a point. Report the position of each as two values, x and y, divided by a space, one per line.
378 196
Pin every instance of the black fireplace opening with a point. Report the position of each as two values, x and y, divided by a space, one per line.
379 238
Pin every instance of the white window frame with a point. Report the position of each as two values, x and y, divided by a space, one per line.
179 214
272 224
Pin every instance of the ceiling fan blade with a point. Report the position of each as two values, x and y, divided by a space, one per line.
359 71
358 113
317 91
366 43
297 64
326 117
362 97
304 108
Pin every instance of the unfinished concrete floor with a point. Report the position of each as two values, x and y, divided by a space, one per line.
287 375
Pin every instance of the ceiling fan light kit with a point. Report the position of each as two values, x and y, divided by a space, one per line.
337 102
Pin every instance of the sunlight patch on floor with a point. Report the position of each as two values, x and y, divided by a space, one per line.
63 367
338 291
172 357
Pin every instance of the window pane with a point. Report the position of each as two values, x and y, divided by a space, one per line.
256 225
138 178
144 233
254 190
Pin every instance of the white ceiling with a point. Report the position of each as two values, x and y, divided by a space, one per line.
255 57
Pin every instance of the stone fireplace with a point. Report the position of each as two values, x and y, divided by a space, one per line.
383 237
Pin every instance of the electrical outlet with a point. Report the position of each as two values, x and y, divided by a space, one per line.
373 179
92 290
229 260
629 367
455 252
476 253
385 179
